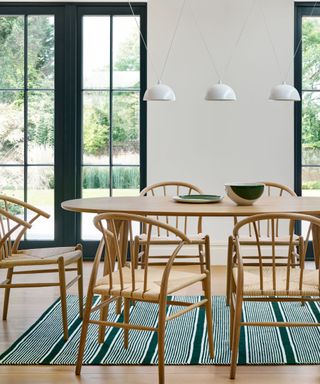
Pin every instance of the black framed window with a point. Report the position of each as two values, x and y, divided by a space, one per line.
307 116
73 123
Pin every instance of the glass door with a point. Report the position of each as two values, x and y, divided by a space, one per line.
27 113
72 119
310 119
307 116
110 110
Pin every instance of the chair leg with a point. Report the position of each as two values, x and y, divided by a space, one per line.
301 248
118 305
233 287
80 287
126 317
236 337
63 297
161 336
208 305
201 261
103 316
229 269
7 294
84 331
300 252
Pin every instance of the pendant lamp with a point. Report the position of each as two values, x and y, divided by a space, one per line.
161 91
284 92
220 92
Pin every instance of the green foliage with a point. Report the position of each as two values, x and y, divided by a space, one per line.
14 209
125 117
11 51
40 52
125 129
96 128
129 57
125 178
122 178
311 79
40 118
96 120
311 51
311 185
40 75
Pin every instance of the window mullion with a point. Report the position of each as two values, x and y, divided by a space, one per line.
110 106
25 112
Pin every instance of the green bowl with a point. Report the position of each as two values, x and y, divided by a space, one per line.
244 193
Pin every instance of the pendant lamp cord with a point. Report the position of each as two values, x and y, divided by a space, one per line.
143 41
271 40
243 28
204 42
173 37
300 42
273 46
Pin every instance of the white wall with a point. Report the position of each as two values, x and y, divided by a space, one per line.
210 143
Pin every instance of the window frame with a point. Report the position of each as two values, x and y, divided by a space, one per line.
302 9
68 79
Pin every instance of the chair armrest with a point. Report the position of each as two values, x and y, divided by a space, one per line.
13 200
14 218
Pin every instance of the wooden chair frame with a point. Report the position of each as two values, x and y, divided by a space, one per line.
238 295
166 240
112 226
298 241
10 247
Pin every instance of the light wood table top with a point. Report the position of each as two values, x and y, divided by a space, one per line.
166 206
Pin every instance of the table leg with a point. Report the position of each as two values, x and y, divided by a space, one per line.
122 228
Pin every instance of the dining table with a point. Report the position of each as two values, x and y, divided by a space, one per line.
167 206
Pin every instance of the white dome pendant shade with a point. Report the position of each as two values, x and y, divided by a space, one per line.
159 92
284 92
220 92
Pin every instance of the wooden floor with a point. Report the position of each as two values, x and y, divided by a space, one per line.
24 309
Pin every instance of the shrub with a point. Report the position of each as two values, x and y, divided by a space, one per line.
122 178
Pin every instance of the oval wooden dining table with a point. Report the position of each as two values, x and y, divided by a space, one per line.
166 206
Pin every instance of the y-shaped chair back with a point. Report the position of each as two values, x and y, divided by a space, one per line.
174 188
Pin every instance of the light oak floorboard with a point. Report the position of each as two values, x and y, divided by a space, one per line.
24 310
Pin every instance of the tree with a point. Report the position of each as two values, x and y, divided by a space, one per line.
125 124
40 52
129 56
311 80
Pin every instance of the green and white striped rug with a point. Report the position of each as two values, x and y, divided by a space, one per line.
186 338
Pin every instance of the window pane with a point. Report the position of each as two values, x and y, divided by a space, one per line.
41 194
96 52
311 181
310 128
11 51
41 51
96 126
11 127
95 180
12 181
126 52
311 53
125 181
125 128
310 187
95 183
41 127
